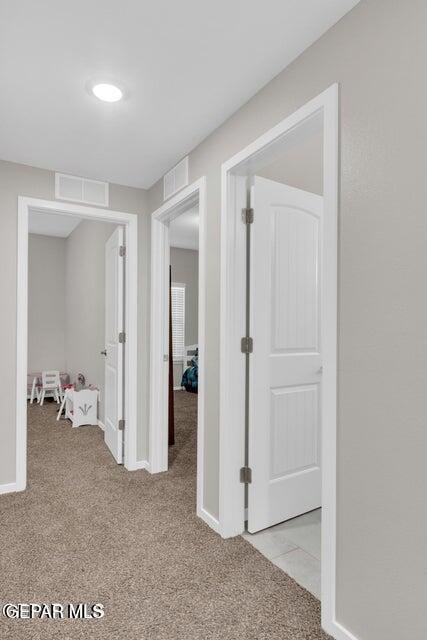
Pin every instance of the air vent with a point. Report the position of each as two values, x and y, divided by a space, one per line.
81 190
175 179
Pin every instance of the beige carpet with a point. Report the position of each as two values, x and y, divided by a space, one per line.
86 530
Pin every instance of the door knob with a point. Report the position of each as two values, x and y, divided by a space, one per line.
104 352
320 370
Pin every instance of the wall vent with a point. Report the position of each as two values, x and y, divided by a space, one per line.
81 190
175 179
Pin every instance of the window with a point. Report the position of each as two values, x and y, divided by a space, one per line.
178 322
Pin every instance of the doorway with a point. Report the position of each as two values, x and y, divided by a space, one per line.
186 201
183 339
279 336
119 392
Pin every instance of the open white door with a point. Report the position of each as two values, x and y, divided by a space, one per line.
286 364
114 337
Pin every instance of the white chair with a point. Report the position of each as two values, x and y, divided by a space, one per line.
51 385
35 393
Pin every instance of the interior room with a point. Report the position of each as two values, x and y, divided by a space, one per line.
67 298
183 327
213 330
293 539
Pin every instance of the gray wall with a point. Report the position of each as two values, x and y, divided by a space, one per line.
300 163
185 269
16 180
66 303
46 303
377 53
85 303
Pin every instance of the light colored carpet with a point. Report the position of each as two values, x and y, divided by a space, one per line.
86 530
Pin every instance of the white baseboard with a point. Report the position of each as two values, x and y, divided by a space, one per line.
338 631
139 464
8 488
209 519
101 425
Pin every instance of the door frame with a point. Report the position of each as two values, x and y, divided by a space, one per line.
160 260
232 328
130 222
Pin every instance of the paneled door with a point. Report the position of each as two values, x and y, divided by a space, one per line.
114 326
286 363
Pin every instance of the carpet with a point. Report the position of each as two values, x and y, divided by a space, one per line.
87 530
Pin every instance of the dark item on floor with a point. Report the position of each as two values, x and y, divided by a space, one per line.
190 377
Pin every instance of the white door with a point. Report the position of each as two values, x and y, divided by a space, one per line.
285 367
114 326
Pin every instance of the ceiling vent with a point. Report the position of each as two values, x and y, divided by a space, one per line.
175 179
81 190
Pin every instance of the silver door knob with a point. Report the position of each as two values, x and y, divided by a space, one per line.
320 370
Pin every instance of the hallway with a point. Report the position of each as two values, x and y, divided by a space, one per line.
86 530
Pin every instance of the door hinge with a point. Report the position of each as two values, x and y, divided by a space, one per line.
122 337
247 216
246 475
122 251
121 425
247 345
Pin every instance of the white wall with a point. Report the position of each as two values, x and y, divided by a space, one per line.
46 303
85 303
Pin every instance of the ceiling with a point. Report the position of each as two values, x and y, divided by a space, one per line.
52 224
184 230
185 67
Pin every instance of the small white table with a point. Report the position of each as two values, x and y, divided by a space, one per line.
81 407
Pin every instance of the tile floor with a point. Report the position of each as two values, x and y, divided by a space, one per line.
294 546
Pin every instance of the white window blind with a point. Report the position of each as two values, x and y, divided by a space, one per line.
178 321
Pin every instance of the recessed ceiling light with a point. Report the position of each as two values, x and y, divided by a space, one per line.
107 92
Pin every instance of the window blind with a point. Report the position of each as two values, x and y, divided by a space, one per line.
178 322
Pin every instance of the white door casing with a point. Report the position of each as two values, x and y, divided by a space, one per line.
130 223
114 324
232 512
286 364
